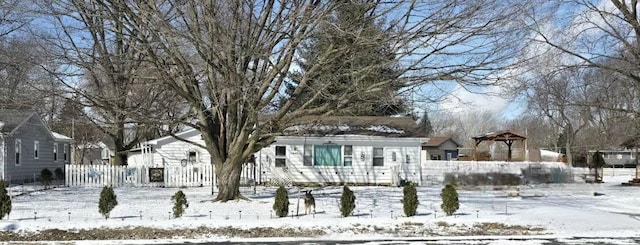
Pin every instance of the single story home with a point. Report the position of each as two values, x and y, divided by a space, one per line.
331 150
440 148
27 146
617 158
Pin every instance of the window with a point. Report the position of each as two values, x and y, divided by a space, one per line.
36 147
407 158
64 152
327 155
378 157
192 156
281 156
18 151
308 155
393 156
348 155
55 152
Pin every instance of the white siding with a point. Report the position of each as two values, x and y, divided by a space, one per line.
170 152
361 171
173 152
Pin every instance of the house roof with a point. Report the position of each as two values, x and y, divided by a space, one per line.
437 141
364 125
12 119
186 133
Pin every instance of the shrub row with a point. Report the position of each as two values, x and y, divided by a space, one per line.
449 195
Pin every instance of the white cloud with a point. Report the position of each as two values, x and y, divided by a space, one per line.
462 100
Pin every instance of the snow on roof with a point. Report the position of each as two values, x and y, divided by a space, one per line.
58 136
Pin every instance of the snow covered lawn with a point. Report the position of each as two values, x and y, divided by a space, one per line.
554 210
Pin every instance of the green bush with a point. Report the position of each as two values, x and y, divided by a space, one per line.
108 201
597 162
179 204
5 200
281 204
347 202
46 176
59 173
450 203
410 200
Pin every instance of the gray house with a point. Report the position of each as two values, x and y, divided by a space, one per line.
27 146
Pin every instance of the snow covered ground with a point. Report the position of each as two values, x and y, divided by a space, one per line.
552 211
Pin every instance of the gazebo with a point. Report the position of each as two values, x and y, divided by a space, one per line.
505 136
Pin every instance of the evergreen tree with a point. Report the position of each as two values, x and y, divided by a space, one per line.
5 200
425 124
375 89
46 176
281 204
179 204
597 162
108 201
59 173
450 203
347 201
410 199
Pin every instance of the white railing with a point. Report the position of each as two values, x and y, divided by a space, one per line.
116 176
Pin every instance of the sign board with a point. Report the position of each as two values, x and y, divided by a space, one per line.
156 174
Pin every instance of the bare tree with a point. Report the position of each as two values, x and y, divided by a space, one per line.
14 15
230 60
604 35
100 63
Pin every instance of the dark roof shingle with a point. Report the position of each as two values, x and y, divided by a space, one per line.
13 118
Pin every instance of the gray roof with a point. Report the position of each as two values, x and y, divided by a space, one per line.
13 118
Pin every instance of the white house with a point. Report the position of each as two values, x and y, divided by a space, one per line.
171 151
342 159
338 150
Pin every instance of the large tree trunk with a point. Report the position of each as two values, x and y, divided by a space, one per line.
228 178
569 154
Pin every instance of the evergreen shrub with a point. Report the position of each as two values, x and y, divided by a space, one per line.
46 176
450 203
180 203
281 204
410 199
5 200
108 201
347 202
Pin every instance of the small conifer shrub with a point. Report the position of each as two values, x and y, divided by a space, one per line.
5 200
179 204
410 199
46 176
347 202
108 201
281 204
450 203
597 163
59 173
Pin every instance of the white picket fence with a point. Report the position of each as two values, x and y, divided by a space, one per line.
117 176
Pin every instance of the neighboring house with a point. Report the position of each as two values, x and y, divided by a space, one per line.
170 151
617 158
331 150
440 148
93 153
27 146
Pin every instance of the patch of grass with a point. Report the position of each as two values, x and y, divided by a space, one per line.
443 224
409 223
